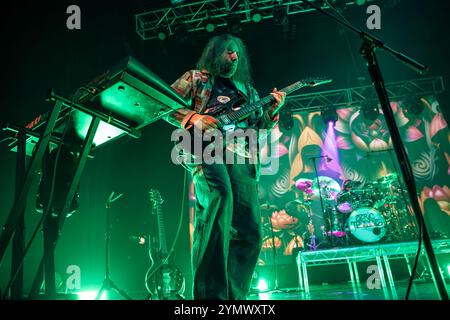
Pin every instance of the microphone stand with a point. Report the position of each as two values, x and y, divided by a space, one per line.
108 284
369 45
276 289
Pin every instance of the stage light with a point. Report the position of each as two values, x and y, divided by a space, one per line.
256 16
262 285
448 269
90 295
210 27
360 2
162 36
329 116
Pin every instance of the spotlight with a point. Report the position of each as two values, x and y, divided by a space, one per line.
210 27
329 116
360 2
256 16
90 295
162 35
262 285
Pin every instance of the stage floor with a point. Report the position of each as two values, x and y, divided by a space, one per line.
421 290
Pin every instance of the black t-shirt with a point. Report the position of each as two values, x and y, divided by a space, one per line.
222 93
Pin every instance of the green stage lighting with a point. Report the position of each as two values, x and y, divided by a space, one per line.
262 285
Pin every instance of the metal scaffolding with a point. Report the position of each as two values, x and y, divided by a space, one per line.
344 98
209 15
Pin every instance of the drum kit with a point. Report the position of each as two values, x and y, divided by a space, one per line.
360 213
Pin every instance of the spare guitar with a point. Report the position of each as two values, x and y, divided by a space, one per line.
165 280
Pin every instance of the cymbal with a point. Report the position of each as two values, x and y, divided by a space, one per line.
303 185
328 186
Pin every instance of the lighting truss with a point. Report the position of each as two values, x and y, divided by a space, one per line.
196 15
344 98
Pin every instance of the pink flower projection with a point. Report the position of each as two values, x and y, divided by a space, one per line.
282 220
356 131
440 194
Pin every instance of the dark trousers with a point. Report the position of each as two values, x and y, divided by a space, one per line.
227 231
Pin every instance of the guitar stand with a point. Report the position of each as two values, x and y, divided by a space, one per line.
108 284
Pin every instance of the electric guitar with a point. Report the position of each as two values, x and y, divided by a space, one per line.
168 282
229 120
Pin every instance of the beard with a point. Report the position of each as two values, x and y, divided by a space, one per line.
228 70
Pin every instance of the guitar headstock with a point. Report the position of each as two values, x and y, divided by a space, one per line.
313 82
155 196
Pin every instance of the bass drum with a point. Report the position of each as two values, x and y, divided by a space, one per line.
366 224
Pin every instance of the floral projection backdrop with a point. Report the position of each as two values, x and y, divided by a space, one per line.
359 148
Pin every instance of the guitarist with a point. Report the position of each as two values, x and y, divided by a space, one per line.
227 235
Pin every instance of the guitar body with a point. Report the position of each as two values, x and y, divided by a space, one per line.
168 283
164 281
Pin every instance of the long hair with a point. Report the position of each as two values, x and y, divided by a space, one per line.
216 46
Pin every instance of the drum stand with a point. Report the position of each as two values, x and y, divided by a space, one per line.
312 243
324 212
337 227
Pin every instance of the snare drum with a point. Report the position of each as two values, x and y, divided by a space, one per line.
345 202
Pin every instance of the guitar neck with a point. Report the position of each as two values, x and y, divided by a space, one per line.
248 109
161 231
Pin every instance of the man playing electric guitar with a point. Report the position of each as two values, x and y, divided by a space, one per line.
227 233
